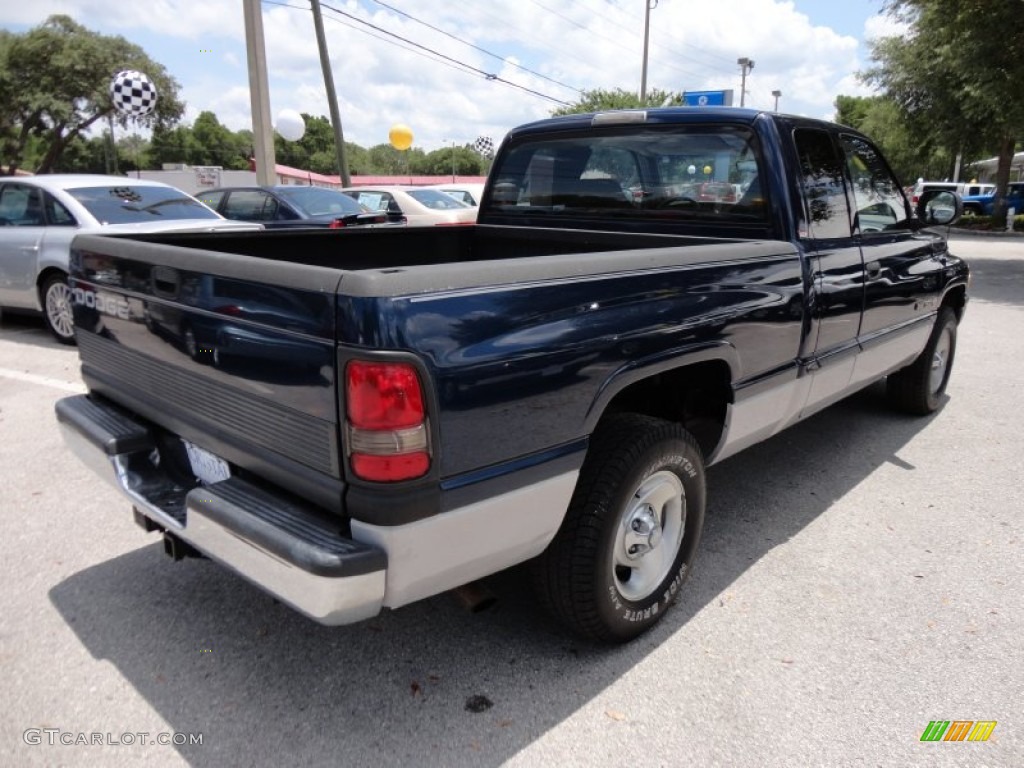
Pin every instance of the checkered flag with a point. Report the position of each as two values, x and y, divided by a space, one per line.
132 93
484 145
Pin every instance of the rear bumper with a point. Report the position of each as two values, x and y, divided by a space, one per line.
289 549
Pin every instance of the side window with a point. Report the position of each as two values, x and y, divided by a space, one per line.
56 213
21 206
212 199
877 195
821 180
250 205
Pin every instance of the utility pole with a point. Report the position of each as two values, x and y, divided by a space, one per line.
332 96
745 66
647 33
259 93
776 94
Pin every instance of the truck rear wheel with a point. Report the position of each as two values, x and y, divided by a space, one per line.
630 536
919 387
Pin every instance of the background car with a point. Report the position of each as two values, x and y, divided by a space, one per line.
469 194
40 215
286 206
924 186
984 204
421 206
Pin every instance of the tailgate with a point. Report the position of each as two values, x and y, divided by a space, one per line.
233 353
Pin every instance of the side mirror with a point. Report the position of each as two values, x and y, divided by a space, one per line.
939 207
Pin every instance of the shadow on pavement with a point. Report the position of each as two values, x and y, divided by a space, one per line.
28 329
997 280
213 655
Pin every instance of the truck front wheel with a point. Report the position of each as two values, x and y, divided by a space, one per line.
630 536
918 388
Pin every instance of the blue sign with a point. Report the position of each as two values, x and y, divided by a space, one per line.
707 98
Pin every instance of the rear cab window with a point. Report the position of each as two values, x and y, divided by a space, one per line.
695 175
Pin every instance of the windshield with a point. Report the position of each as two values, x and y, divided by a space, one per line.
316 201
127 204
662 173
435 199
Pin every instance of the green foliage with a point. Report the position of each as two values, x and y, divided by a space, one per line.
957 74
54 84
911 150
601 99
461 161
989 223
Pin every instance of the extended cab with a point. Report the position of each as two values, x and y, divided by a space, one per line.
385 415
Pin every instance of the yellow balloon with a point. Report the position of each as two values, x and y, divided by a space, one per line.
400 136
707 170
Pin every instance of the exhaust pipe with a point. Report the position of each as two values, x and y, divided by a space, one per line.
176 549
475 597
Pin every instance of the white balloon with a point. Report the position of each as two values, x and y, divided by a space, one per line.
290 125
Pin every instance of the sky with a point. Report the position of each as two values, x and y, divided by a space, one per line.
455 70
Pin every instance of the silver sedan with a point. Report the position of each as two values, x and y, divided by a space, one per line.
40 215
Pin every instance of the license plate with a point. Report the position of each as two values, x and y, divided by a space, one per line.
207 467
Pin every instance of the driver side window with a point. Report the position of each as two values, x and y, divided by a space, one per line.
878 198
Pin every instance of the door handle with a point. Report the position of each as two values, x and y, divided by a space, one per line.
873 268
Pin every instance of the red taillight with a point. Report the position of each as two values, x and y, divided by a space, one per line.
229 309
387 432
337 224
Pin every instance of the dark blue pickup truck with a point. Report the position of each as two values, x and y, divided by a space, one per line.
355 420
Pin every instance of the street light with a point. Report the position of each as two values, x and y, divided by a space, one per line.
745 66
776 94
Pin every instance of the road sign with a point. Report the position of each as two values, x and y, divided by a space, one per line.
708 98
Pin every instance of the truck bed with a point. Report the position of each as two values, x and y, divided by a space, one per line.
234 341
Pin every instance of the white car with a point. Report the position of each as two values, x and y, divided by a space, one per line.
40 215
469 194
420 206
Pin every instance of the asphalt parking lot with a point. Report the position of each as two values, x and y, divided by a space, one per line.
860 576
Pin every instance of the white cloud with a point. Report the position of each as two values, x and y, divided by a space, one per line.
584 44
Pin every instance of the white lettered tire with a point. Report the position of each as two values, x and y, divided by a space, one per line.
630 536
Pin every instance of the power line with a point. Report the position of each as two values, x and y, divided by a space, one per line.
369 34
611 40
476 47
466 67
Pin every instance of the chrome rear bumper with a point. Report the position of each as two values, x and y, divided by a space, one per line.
287 548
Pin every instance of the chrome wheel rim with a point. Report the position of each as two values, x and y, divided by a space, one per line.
58 309
649 535
940 360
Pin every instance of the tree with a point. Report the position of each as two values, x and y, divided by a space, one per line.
911 150
462 161
54 83
959 71
601 99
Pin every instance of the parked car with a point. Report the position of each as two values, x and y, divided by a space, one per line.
283 206
421 206
469 194
716 191
984 205
922 186
39 216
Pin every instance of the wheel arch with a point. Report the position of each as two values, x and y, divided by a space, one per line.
956 299
694 390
